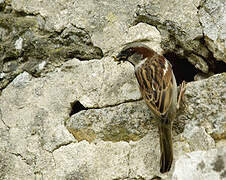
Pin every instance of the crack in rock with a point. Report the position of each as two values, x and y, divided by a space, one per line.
8 127
60 145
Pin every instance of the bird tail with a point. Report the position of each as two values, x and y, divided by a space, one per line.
166 146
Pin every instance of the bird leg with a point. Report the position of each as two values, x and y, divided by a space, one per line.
181 94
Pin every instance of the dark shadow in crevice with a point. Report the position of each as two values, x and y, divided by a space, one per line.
182 68
217 66
76 107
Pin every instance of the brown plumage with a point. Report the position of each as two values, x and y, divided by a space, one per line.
159 90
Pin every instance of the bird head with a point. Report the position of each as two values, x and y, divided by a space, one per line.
134 53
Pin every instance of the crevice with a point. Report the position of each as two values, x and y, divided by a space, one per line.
215 66
23 13
76 107
182 68
79 107
18 155
156 178
54 160
21 157
128 156
61 145
8 127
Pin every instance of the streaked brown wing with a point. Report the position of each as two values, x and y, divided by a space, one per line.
156 90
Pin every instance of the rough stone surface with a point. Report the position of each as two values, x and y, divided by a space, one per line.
141 32
199 63
34 129
206 105
128 121
103 160
27 46
144 157
181 31
91 87
68 111
198 139
201 165
42 109
213 19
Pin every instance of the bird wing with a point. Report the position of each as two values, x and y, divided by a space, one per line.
155 78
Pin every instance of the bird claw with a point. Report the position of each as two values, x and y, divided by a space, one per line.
181 94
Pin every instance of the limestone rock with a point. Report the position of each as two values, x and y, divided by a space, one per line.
44 71
213 19
14 167
128 121
27 47
103 160
199 63
181 32
183 26
100 83
198 139
145 157
31 120
201 165
141 32
206 105
36 132
106 21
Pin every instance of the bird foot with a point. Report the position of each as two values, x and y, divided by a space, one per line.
181 94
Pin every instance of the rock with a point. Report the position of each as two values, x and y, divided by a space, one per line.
181 32
68 111
92 15
102 82
141 32
147 34
184 22
205 105
13 167
103 160
199 63
183 26
25 48
206 165
212 17
29 97
198 139
36 132
106 21
134 117
22 80
145 157
128 121
26 96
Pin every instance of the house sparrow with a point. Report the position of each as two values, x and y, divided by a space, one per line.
159 89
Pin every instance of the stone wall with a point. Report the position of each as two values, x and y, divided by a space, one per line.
68 111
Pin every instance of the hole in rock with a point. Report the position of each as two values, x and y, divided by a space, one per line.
76 107
218 67
182 68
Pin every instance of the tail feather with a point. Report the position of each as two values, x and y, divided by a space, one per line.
166 147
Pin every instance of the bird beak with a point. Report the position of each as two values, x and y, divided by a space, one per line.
119 58
116 60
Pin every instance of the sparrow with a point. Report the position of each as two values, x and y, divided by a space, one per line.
158 88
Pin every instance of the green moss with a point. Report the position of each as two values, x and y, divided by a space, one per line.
40 45
83 134
119 133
